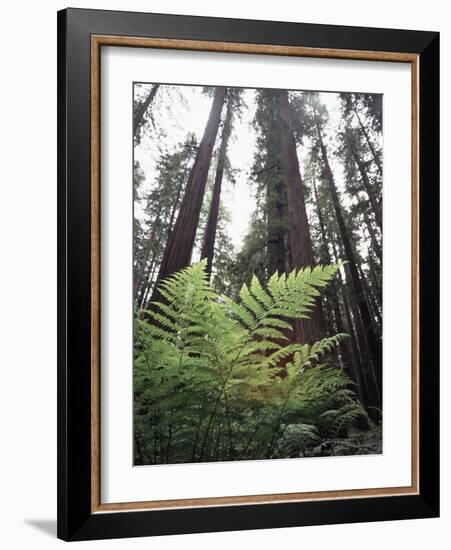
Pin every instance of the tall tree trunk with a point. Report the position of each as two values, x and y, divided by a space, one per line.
374 241
298 227
363 356
356 361
145 296
366 184
376 317
375 284
208 247
373 292
277 254
179 247
371 338
331 293
177 200
353 353
376 157
352 328
366 361
140 298
141 109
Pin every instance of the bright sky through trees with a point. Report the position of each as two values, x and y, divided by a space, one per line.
188 113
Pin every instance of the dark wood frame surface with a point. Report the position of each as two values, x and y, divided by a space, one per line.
81 34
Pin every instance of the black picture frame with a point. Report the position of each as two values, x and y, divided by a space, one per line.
75 518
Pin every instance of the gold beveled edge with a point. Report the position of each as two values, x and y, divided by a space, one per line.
96 42
235 47
255 499
95 277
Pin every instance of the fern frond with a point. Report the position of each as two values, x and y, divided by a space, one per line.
214 373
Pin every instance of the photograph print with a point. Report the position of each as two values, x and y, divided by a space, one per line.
257 271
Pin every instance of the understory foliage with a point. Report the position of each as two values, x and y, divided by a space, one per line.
220 379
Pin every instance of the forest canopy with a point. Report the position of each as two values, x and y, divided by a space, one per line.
257 273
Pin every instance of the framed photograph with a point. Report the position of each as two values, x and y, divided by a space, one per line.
248 274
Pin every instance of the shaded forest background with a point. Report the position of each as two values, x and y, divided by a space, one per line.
271 182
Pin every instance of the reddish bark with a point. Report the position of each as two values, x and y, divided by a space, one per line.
208 248
277 254
179 247
300 241
372 342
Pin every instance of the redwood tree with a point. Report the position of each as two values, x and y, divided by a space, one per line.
267 174
373 344
301 250
208 247
179 247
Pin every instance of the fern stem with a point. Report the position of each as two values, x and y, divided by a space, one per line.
251 439
277 424
210 420
218 399
229 428
196 439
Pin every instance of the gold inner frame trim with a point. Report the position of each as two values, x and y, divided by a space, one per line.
97 41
